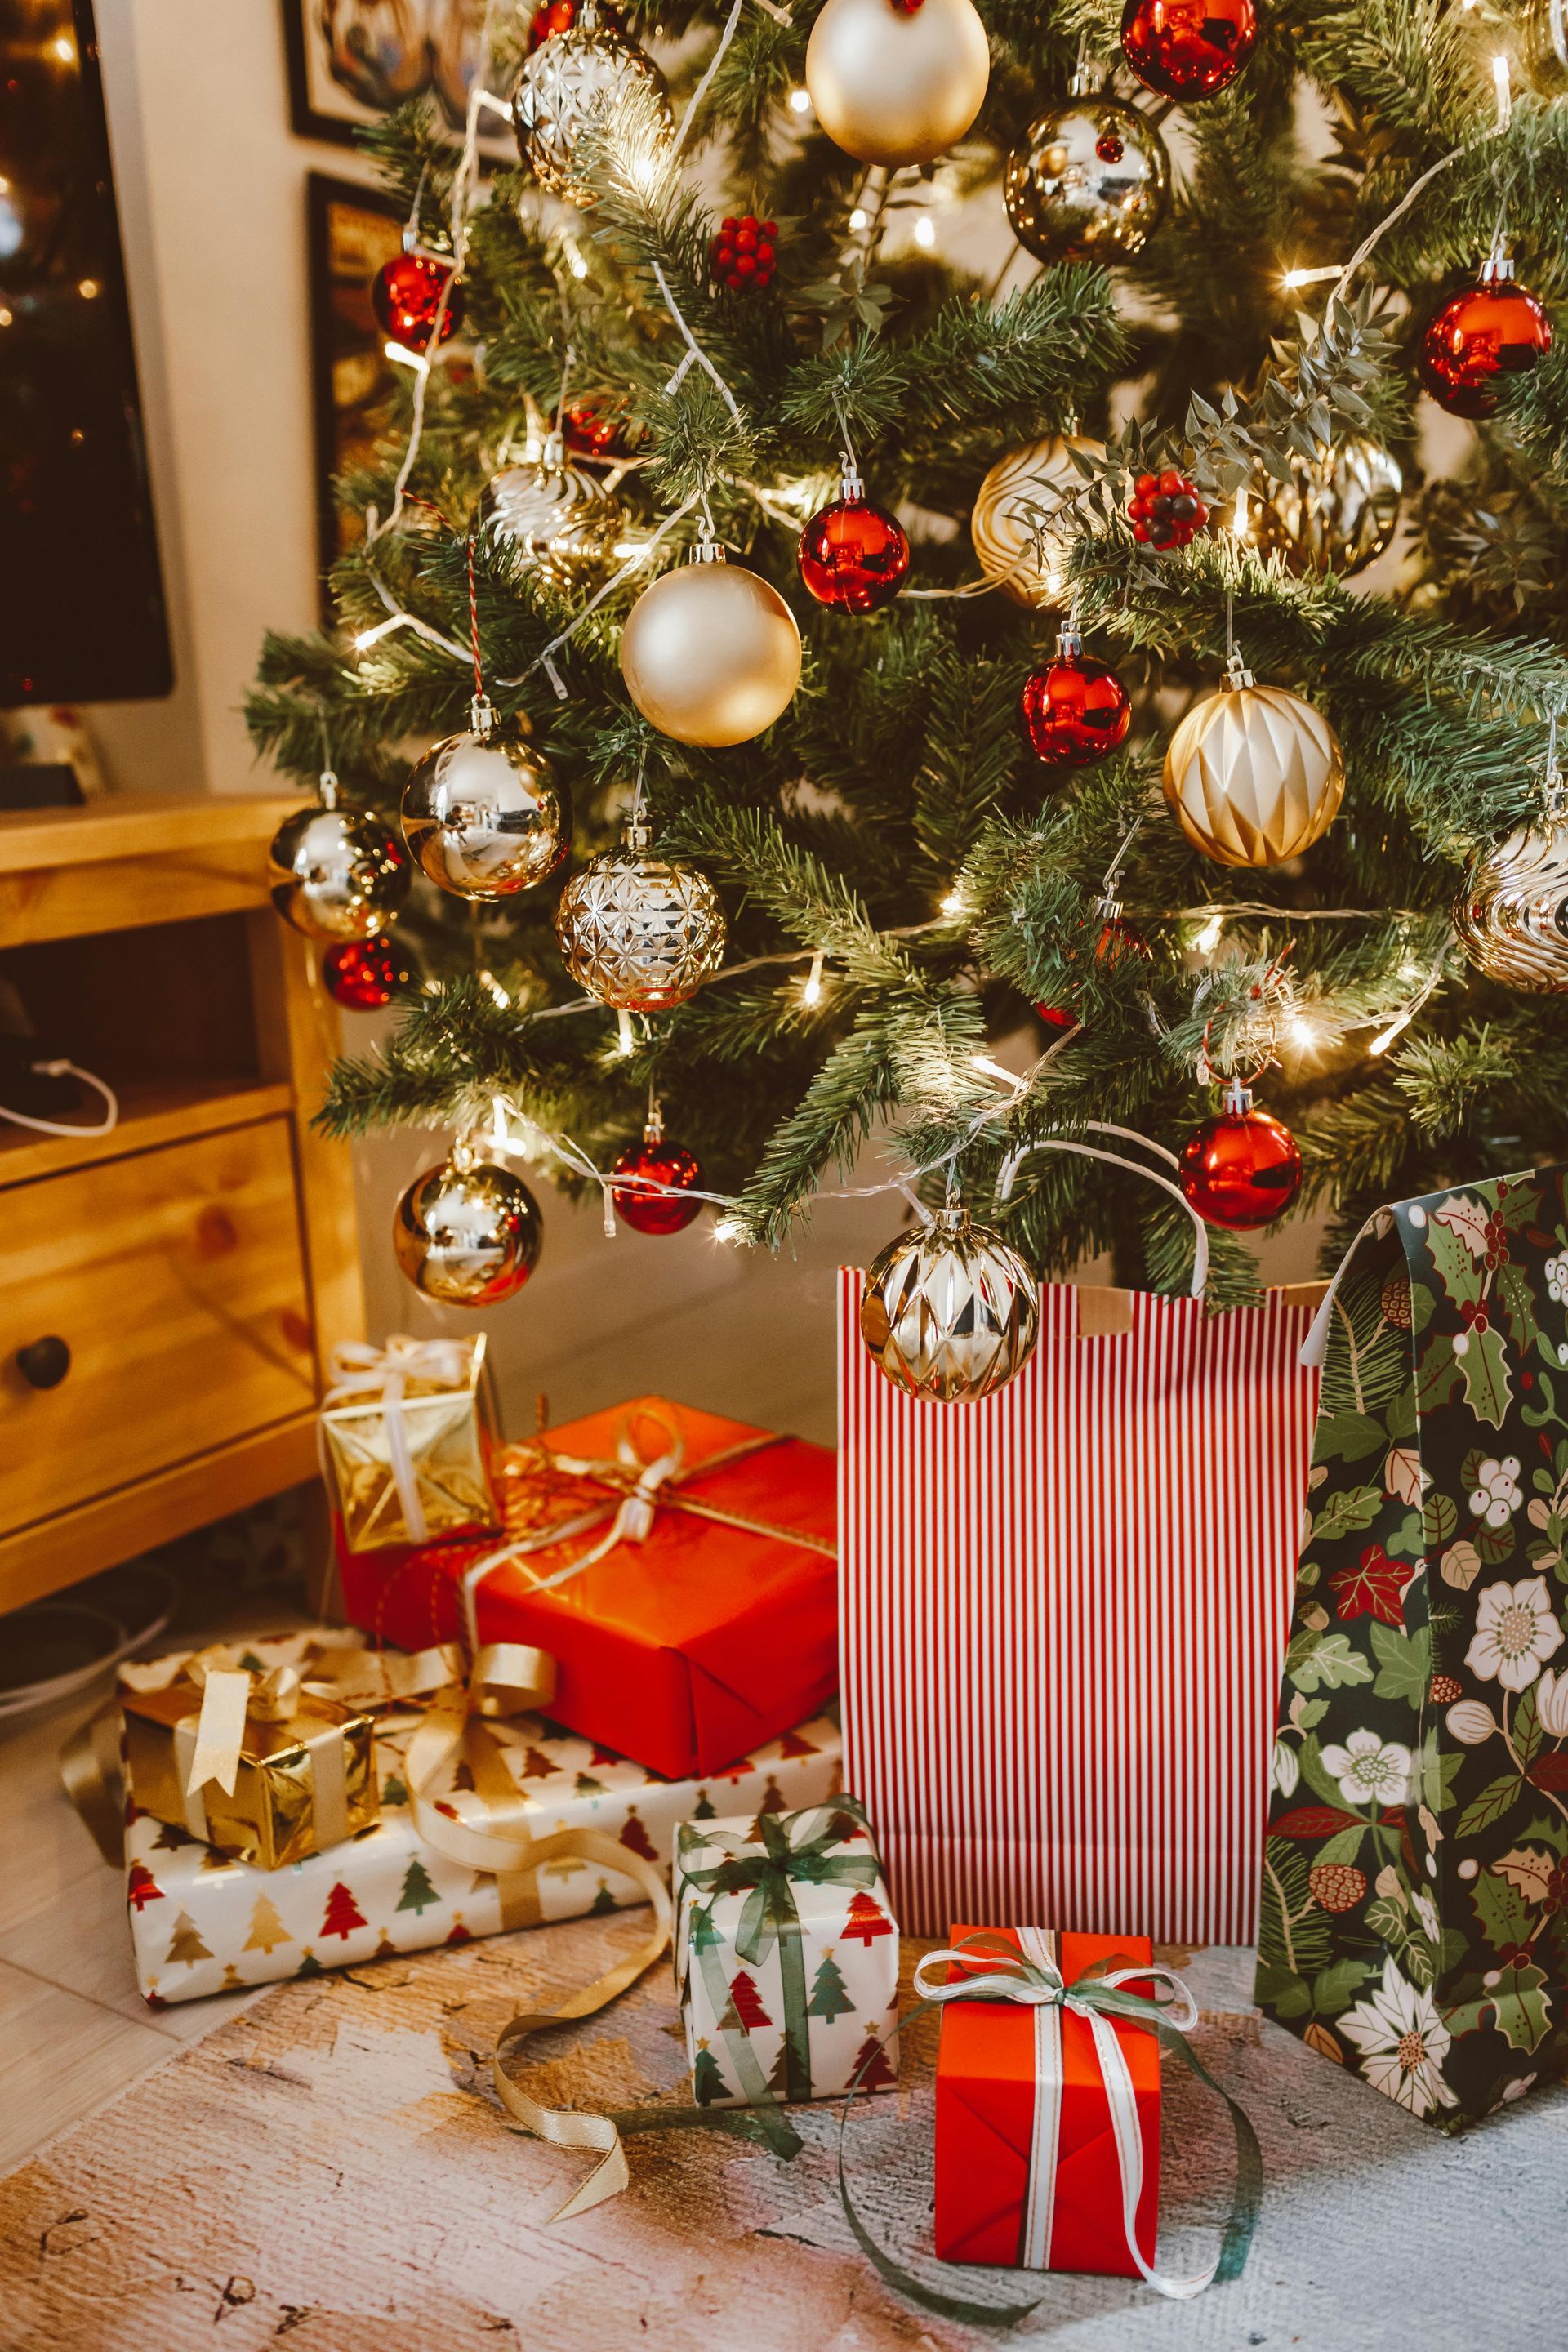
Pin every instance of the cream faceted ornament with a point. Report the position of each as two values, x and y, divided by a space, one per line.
1016 544
710 653
1512 914
638 931
1253 776
897 87
484 814
951 1312
575 82
469 1232
564 523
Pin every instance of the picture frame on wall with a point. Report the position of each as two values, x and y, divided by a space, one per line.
351 230
352 61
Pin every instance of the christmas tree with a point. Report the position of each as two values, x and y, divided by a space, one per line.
417 1892
267 1929
877 2074
707 2077
928 829
141 1887
636 1837
829 1993
186 1945
865 1921
344 1914
743 2011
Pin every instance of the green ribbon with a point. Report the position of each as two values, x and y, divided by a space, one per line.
1024 1981
766 1863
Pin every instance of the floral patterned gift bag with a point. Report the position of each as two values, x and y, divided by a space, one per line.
1414 1902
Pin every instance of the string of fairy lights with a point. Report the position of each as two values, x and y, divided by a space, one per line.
853 556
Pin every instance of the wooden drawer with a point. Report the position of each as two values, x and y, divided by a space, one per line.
176 1279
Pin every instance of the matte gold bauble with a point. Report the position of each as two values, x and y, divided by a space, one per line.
469 1232
638 931
577 81
895 88
1089 184
710 653
1015 542
562 523
1335 514
1513 915
951 1312
337 872
484 815
1253 776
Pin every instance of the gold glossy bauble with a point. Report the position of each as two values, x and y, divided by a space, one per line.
575 81
1089 184
1543 47
1336 514
894 88
710 653
337 874
951 1312
1513 915
484 815
636 931
1015 543
469 1232
564 523
1253 776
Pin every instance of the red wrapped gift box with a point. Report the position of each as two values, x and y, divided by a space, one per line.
991 2112
683 1650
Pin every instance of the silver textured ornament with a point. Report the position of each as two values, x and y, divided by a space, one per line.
1090 181
1513 915
483 813
636 932
469 1232
1336 514
951 1312
564 523
337 874
574 83
1017 544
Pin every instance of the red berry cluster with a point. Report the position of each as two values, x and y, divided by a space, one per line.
742 252
1166 510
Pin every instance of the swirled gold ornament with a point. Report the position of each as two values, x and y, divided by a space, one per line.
1336 514
951 1312
1015 544
897 86
1512 914
564 523
1253 776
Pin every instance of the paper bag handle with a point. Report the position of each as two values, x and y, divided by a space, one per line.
1015 1160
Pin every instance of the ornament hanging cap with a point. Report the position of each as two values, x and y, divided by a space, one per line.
850 487
1069 641
1237 673
1237 1099
706 547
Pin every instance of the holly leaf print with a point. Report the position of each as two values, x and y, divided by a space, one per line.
1335 1987
1326 1662
1404 1663
1511 1288
1522 2006
1528 1869
1460 1269
1503 1911
1372 1588
1496 1798
1438 1375
1464 1218
1348 1512
1483 1362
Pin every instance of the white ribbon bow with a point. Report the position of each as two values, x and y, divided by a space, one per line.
1035 1980
358 1369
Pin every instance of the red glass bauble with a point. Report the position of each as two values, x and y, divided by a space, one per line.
742 254
406 295
1241 1169
1166 511
595 431
1188 48
1490 332
1119 942
1075 711
362 975
553 16
657 1161
1057 1016
854 556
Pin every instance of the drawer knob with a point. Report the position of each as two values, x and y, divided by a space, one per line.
44 1363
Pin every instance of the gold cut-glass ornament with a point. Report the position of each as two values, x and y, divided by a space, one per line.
638 931
574 83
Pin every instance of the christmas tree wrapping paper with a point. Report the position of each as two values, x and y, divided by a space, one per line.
1414 1902
786 1955
406 1435
680 1570
201 1923
1027 2168
243 1754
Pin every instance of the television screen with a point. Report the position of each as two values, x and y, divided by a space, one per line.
81 597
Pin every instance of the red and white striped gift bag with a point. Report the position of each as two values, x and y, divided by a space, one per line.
1063 1613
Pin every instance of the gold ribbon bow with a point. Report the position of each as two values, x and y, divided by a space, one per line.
358 1369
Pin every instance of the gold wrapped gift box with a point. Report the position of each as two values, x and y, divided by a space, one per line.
406 1433
304 1783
